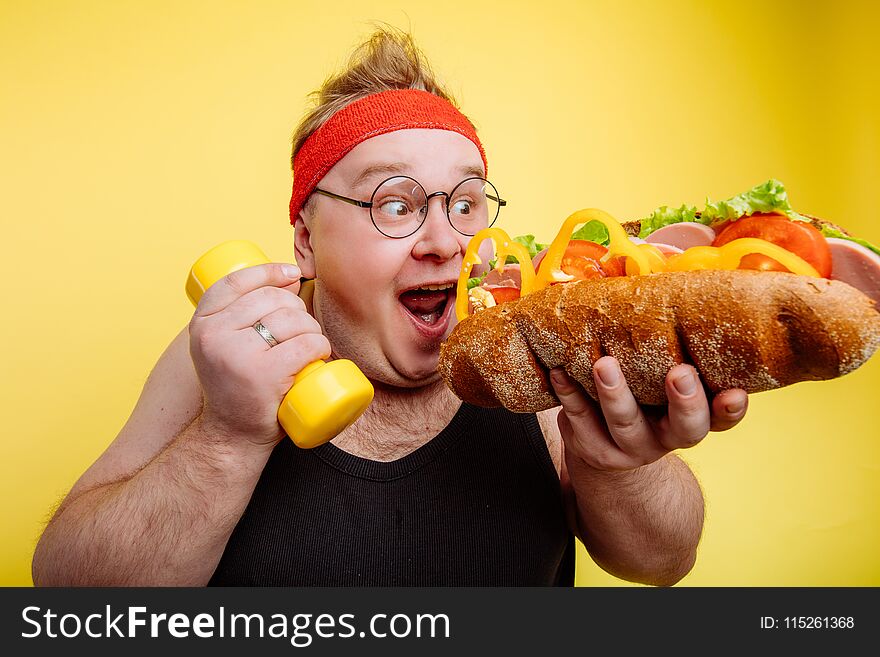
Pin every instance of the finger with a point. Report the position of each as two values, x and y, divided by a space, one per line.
627 425
284 324
728 408
688 412
232 286
572 397
257 304
290 357
582 427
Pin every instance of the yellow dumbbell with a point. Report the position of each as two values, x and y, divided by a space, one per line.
325 397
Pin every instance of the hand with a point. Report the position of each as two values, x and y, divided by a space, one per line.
244 379
616 434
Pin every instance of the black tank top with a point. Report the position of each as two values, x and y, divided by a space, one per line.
478 505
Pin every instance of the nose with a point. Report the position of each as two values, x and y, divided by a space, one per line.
437 238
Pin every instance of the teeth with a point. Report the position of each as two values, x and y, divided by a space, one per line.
441 286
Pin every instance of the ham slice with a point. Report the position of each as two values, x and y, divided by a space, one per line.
512 277
857 266
539 256
667 249
683 235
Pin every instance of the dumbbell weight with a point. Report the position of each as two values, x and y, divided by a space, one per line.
326 397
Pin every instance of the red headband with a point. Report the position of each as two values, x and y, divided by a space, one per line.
377 114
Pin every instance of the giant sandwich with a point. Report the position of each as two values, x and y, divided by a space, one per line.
751 293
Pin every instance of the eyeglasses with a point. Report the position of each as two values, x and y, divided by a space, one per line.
399 205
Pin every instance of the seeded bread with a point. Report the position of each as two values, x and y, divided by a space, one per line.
740 329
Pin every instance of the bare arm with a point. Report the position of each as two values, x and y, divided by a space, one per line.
642 525
159 504
637 508
169 403
165 525
157 508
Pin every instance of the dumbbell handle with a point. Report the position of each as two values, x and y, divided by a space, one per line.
325 397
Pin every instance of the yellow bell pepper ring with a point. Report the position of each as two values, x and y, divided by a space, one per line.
656 260
730 255
619 244
326 398
504 246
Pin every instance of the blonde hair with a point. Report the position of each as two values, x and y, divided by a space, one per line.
388 60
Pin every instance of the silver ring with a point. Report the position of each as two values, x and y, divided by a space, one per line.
266 334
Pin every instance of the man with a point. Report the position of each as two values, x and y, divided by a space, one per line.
201 485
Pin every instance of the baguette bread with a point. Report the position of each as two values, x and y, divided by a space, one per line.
739 329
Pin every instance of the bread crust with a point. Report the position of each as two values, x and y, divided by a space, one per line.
740 329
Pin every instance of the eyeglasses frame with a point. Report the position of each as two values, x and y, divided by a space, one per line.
369 204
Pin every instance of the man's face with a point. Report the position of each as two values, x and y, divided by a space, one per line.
365 282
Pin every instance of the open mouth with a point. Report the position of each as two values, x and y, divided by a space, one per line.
429 307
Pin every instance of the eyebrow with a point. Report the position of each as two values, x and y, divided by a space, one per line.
469 171
375 169
401 167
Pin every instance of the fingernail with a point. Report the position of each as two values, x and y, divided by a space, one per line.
685 384
558 376
291 271
609 375
734 408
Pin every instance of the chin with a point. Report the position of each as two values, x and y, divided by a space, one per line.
421 373
415 370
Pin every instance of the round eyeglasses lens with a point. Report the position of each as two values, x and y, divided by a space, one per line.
398 206
473 205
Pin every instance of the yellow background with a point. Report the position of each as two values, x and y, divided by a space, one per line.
135 135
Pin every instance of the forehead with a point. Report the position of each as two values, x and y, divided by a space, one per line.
436 157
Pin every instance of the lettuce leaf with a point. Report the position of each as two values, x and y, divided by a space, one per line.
475 282
664 216
592 231
828 231
766 197
533 246
769 196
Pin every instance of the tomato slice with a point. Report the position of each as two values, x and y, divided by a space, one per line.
719 227
502 294
582 259
581 267
799 237
615 266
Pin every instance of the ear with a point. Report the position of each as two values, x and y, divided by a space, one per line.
302 246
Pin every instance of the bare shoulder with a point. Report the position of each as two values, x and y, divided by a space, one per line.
547 421
170 400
